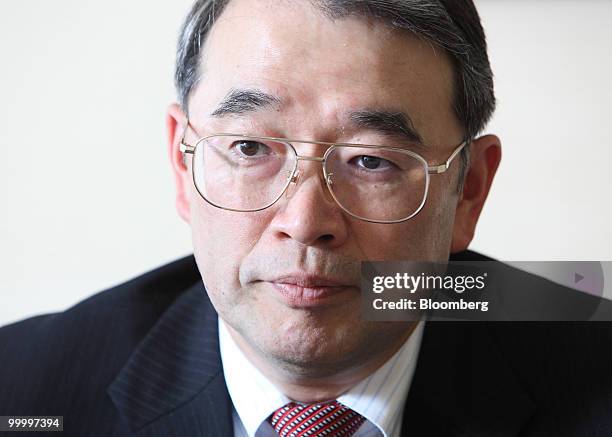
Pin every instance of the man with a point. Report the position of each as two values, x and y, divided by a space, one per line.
312 135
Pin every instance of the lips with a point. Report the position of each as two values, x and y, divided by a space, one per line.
307 291
309 280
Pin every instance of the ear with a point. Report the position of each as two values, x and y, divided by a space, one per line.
485 155
175 123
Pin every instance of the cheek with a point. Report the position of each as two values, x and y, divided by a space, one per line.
426 236
437 221
221 240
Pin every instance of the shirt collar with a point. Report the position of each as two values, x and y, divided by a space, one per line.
379 398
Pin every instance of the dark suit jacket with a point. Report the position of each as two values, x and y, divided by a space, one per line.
142 359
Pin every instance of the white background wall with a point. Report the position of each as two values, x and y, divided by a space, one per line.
86 193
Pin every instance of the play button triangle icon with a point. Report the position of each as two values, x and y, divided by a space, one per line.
577 278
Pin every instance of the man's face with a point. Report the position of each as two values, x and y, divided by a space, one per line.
320 70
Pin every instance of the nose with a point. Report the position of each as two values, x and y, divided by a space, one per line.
308 214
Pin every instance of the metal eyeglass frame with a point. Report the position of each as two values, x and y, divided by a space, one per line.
293 176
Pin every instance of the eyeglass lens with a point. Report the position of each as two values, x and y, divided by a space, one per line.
248 174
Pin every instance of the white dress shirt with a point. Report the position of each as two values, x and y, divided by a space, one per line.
380 397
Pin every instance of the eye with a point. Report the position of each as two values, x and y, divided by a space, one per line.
372 162
250 149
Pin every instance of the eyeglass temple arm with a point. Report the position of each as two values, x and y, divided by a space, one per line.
183 146
441 168
186 148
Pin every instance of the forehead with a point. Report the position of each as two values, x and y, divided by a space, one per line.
317 65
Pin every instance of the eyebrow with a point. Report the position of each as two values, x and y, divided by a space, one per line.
390 123
242 101
396 124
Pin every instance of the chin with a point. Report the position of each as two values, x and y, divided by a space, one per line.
322 364
313 346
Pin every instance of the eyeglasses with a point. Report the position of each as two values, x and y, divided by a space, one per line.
376 184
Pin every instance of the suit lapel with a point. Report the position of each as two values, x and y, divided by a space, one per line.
173 383
463 386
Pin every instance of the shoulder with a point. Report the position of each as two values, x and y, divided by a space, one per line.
84 347
128 307
562 366
551 343
553 357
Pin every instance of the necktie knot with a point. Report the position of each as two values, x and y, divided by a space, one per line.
330 419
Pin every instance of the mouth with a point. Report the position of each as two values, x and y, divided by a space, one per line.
299 291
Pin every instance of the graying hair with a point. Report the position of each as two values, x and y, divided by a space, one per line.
453 25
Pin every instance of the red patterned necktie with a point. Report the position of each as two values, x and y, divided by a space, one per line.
331 419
